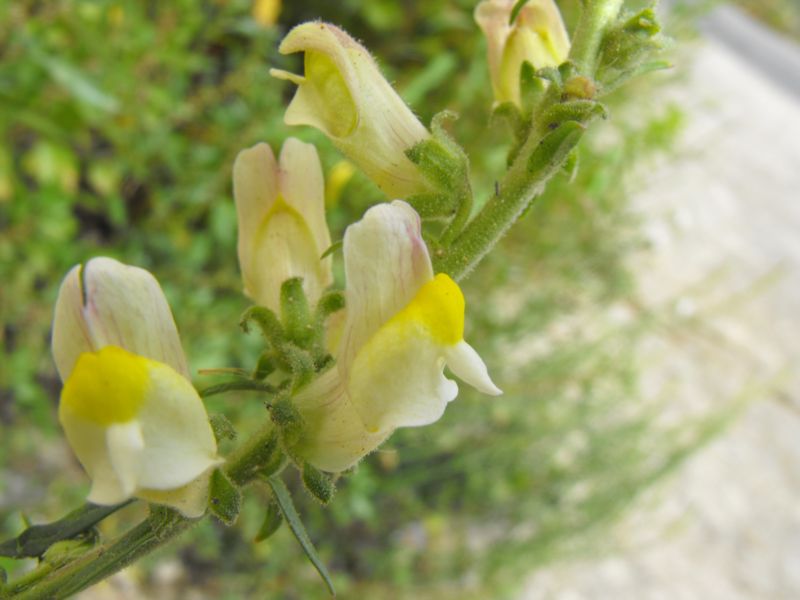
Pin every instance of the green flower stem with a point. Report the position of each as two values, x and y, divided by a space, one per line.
162 526
522 185
518 189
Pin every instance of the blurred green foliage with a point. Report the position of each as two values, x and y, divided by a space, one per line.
780 15
120 121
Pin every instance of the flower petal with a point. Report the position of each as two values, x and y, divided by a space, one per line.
467 365
71 336
179 444
386 263
334 438
345 96
107 303
88 441
397 379
255 188
125 448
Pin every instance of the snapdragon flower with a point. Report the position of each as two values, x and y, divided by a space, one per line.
402 326
128 409
537 35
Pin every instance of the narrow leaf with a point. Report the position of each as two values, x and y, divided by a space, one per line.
515 11
36 539
286 505
272 521
238 385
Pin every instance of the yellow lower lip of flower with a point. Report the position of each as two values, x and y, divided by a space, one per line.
439 306
108 386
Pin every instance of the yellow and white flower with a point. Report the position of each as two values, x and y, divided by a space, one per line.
537 36
402 326
128 409
343 94
281 214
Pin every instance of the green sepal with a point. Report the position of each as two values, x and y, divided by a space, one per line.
272 521
551 74
510 113
222 427
572 165
532 87
265 366
580 111
36 539
445 165
330 302
288 421
318 484
629 48
284 500
433 205
300 364
295 313
267 322
224 498
554 148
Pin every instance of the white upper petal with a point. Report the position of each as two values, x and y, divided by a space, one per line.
71 336
255 189
386 263
303 188
108 303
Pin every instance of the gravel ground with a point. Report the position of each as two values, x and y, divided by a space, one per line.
724 222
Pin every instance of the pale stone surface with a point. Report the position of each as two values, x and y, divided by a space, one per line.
723 218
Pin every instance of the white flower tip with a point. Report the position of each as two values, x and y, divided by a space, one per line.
468 366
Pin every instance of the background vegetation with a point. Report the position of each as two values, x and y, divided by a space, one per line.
119 124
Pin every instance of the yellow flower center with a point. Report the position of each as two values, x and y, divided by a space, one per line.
108 386
439 306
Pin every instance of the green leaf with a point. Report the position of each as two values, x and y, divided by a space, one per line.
35 540
272 521
224 498
73 80
334 247
238 385
554 148
284 500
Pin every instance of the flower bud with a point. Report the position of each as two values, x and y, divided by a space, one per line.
343 94
282 229
537 35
